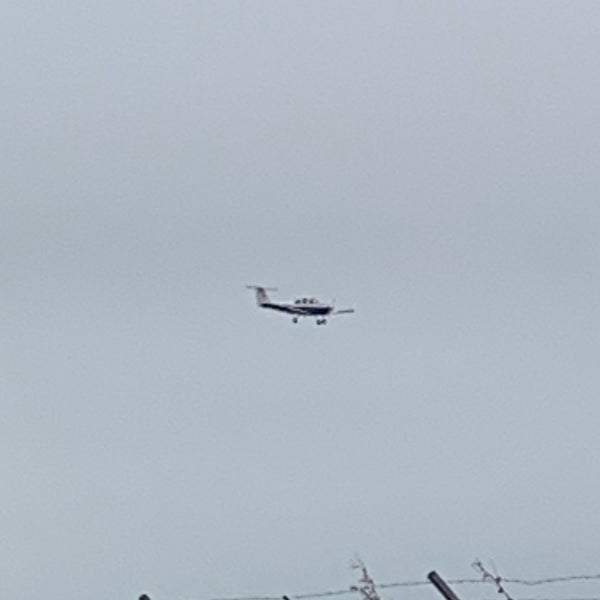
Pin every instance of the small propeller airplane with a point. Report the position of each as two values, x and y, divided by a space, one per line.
301 307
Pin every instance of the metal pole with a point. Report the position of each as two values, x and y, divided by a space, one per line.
441 586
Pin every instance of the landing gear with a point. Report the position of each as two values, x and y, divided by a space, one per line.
321 321
295 320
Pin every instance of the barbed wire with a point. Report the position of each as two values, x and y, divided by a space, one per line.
424 583
495 579
550 580
561 598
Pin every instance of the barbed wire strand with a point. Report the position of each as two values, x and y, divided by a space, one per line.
423 583
550 580
588 598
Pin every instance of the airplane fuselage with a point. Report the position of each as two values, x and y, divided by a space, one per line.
302 310
302 307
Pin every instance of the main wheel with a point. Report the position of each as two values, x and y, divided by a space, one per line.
295 320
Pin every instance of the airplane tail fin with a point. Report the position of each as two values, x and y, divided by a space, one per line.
262 297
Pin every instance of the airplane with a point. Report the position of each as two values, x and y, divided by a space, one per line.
301 307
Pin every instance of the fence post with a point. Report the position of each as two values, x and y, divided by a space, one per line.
441 586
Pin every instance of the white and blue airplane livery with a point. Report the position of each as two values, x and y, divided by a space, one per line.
301 307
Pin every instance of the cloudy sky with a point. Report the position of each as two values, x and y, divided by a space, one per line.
434 164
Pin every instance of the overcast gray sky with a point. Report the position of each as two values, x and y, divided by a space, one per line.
434 164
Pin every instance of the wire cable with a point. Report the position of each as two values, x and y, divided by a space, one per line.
423 583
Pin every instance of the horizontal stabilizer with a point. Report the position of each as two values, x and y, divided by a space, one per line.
261 287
